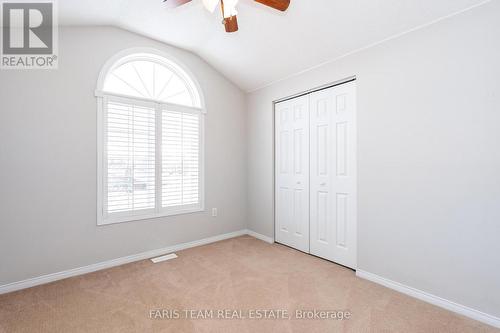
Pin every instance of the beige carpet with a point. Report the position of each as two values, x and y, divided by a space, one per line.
238 274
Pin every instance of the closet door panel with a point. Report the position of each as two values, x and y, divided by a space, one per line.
322 159
292 173
333 174
345 177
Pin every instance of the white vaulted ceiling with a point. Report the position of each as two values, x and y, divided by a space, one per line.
270 45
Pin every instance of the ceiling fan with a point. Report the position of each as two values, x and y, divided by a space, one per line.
228 9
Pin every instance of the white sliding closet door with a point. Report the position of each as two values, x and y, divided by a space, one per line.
292 173
333 174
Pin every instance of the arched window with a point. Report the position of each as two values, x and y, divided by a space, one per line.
152 77
150 123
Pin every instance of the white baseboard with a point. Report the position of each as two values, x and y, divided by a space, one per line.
114 262
260 236
432 299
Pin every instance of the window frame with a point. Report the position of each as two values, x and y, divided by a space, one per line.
159 106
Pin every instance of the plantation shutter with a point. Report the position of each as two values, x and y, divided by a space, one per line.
180 159
130 157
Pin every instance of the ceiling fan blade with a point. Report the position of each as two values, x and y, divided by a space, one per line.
231 24
276 4
175 3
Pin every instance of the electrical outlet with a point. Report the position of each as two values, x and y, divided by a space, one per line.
214 212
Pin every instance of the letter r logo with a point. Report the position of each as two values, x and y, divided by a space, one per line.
27 28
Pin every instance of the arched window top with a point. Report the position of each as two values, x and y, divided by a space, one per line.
150 76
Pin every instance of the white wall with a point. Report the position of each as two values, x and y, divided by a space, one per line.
48 162
428 153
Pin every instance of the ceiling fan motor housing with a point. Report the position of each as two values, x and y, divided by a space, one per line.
231 24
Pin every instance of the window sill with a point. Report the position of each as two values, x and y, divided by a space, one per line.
148 216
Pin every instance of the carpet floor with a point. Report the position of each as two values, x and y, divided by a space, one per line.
237 285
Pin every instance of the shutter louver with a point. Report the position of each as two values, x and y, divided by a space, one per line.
130 151
180 159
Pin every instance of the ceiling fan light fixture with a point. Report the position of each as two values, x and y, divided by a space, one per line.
210 5
229 8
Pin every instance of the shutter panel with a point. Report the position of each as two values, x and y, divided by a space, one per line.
130 157
180 159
